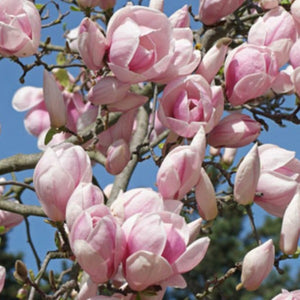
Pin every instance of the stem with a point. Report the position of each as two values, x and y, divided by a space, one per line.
21 209
250 215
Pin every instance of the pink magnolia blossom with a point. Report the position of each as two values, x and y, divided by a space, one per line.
161 259
235 130
91 44
157 4
139 48
246 177
57 174
107 4
108 90
249 72
257 264
37 120
295 11
228 155
121 130
54 101
2 277
8 220
286 295
211 11
185 58
84 196
189 103
290 230
277 30
206 197
279 178
141 200
180 18
20 28
213 59
269 4
180 170
295 62
98 243
284 81
117 156
31 98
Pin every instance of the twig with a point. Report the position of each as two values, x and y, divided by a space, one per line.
22 184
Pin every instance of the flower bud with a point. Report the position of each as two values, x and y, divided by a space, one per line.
290 229
56 176
91 44
54 101
257 265
206 197
246 177
118 155
235 130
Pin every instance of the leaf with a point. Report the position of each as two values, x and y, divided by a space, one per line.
74 8
62 76
50 135
61 59
39 6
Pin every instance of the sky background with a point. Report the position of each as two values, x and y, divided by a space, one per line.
14 139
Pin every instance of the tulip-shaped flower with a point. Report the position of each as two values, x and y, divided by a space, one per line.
158 250
211 11
98 243
228 156
180 18
91 44
206 197
249 72
84 196
54 101
278 180
108 90
246 177
139 200
235 130
189 103
2 277
213 59
286 295
139 49
117 156
157 4
257 265
277 30
180 170
290 229
296 13
57 174
269 4
9 220
20 28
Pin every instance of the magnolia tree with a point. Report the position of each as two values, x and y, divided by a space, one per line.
132 83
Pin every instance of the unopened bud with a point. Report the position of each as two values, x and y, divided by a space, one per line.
21 273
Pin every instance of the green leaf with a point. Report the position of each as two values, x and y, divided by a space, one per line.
74 8
39 6
61 59
2 229
50 135
62 76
